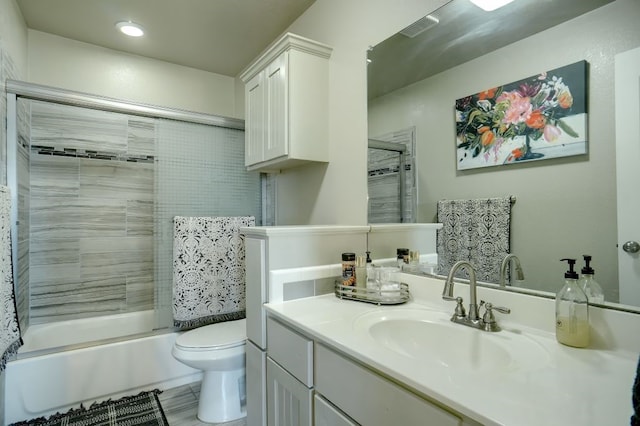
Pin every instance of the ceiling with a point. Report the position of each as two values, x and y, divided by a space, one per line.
219 36
464 32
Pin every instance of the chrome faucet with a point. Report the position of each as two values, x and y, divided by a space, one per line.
487 322
505 264
447 292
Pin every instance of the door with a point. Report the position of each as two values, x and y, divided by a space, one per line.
288 400
627 95
255 113
277 137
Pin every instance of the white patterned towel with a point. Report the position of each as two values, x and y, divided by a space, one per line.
10 339
208 270
477 231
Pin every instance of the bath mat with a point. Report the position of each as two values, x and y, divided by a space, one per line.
140 410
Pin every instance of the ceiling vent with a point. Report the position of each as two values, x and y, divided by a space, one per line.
420 26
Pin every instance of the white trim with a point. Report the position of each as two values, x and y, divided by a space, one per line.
288 41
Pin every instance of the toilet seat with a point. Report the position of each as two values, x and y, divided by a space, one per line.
221 335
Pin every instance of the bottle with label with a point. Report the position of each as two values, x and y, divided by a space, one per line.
572 311
349 269
361 271
588 284
402 256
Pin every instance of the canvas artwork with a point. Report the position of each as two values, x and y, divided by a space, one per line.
537 118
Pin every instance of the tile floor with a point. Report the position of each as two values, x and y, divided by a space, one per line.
180 406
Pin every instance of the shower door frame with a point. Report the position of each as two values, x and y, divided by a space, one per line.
18 89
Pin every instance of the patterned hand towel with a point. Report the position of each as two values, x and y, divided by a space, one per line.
208 270
477 231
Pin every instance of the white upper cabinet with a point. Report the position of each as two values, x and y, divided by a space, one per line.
287 103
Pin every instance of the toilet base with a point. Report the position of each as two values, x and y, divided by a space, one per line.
222 396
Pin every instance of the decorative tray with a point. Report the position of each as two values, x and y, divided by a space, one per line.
388 295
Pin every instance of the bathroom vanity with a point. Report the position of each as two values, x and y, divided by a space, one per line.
291 262
315 359
343 388
337 362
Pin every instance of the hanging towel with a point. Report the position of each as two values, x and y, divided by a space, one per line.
477 231
10 340
208 270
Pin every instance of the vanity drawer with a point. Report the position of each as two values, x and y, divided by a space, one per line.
325 414
370 399
291 350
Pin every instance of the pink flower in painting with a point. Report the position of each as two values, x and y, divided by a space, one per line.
519 109
551 133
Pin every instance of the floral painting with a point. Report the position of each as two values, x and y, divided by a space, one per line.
537 118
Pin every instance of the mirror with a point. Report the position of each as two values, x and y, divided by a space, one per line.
566 207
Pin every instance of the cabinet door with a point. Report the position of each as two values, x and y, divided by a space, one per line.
277 136
326 414
255 120
288 400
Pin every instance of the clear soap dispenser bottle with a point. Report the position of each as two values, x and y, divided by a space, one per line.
588 284
572 311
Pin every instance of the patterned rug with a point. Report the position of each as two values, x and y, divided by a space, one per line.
140 410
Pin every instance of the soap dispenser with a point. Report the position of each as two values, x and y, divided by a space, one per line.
572 311
588 284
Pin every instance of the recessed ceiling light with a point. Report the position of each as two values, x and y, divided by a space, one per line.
490 5
130 28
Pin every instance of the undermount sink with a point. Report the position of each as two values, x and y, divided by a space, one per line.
430 336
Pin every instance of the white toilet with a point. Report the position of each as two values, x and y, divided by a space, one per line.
219 351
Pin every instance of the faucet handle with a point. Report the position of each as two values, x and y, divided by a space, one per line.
489 307
489 320
459 311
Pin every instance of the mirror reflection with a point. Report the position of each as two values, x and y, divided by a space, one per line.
566 207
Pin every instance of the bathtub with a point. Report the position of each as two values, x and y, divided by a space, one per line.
80 331
41 382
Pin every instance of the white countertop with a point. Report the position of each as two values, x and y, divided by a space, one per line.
566 386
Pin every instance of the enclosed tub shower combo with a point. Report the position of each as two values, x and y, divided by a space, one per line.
95 185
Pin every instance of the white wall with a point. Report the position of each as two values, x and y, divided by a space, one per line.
69 64
336 193
322 194
565 207
13 34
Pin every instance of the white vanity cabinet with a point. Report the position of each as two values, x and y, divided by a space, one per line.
371 399
309 383
287 105
289 376
273 249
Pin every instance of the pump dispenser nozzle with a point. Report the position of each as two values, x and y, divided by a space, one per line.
570 273
587 269
588 283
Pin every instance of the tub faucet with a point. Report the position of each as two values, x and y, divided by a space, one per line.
472 319
505 265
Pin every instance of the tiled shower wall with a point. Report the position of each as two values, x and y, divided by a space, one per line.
91 212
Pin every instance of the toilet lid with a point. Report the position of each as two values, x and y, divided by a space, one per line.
219 335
